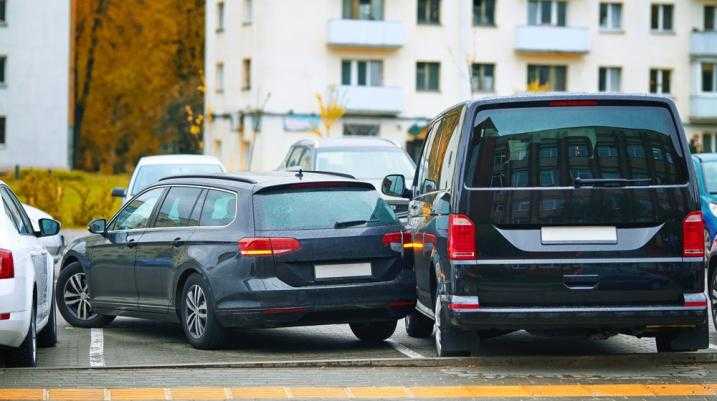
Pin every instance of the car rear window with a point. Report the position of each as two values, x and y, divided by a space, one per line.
306 209
552 146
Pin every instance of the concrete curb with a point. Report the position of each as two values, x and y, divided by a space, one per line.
591 361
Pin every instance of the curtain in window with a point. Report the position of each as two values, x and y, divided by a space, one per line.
376 10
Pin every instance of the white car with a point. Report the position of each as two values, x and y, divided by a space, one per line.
54 244
151 169
27 307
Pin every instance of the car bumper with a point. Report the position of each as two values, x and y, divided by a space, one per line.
14 330
327 304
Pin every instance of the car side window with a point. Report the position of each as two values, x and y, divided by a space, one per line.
294 156
447 165
424 184
219 210
138 211
177 208
437 153
305 159
12 208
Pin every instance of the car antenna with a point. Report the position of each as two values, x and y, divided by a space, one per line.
300 173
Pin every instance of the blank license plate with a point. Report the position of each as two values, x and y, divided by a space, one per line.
342 270
578 235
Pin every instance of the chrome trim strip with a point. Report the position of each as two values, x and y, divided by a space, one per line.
573 261
591 309
421 308
466 187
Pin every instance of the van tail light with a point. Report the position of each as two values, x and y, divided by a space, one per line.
696 300
463 303
461 238
693 235
268 246
397 240
7 265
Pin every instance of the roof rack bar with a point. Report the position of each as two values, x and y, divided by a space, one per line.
342 175
214 177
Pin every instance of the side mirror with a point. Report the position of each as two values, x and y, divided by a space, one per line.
119 193
97 226
395 185
48 227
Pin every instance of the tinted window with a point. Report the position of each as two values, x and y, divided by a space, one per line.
220 208
437 157
710 175
177 208
138 211
551 146
308 209
151 174
12 211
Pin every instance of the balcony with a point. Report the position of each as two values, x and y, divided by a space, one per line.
703 107
703 43
364 33
378 100
551 39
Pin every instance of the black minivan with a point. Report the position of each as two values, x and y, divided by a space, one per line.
570 214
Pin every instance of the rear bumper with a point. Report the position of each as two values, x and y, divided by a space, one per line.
14 330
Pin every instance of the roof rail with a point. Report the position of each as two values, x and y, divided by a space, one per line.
214 177
343 175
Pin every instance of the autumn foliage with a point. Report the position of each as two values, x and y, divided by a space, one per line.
137 80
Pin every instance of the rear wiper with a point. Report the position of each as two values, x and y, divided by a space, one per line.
352 223
610 182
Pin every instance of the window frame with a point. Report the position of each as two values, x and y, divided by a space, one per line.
204 203
425 83
355 76
609 78
3 70
661 7
706 17
3 13
152 216
247 12
3 131
355 6
219 78
199 199
660 81
554 13
488 20
552 72
15 207
713 81
610 7
481 67
220 13
427 6
246 74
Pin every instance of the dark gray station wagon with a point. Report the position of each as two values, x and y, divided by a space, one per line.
218 252
559 215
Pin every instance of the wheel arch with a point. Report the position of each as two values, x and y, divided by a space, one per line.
179 286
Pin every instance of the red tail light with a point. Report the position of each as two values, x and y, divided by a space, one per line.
7 265
4 316
693 235
268 246
461 238
397 240
573 103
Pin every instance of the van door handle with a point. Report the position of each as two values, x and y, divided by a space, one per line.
131 243
581 281
177 242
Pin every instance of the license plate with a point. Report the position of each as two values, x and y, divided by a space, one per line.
342 270
578 235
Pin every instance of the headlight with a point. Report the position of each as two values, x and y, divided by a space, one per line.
713 208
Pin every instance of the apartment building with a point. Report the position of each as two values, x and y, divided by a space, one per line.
34 83
394 64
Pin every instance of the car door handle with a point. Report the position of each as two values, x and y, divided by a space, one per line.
581 281
177 242
131 243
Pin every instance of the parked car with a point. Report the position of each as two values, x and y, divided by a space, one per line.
54 244
565 214
27 310
706 169
151 169
366 159
223 251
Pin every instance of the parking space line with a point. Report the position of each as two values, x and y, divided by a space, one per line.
404 350
97 348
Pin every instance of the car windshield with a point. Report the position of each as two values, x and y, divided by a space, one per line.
366 164
307 209
150 174
709 170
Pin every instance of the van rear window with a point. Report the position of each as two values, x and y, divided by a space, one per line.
552 146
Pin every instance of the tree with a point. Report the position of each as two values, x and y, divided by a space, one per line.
331 110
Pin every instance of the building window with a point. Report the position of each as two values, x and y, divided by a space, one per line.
363 9
248 17
3 69
351 129
547 12
246 74
710 16
611 16
709 77
661 17
545 78
3 12
3 138
484 12
429 12
483 77
220 16
609 79
362 72
660 81
219 78
428 76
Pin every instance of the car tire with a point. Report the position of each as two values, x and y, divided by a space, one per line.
25 356
374 332
684 340
72 298
202 332
449 341
418 325
47 337
713 295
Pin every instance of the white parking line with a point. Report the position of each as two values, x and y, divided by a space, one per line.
404 350
97 348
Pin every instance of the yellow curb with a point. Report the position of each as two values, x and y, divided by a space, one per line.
378 392
198 393
252 393
137 394
20 394
76 394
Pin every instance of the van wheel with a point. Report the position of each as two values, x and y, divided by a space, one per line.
418 325
199 322
684 340
374 332
26 355
448 340
47 337
713 296
73 299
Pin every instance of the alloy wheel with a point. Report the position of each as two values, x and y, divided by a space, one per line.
437 326
196 304
33 338
713 298
77 298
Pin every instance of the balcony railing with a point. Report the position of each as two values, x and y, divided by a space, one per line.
363 33
703 107
703 43
372 99
551 39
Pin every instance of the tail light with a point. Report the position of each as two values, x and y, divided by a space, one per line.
463 303
268 246
7 265
397 240
4 316
461 238
693 235
696 300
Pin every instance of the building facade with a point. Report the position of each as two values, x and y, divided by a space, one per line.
34 83
394 64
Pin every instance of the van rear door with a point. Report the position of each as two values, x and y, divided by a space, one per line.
580 203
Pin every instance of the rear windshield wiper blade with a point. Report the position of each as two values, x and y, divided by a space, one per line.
610 182
350 223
